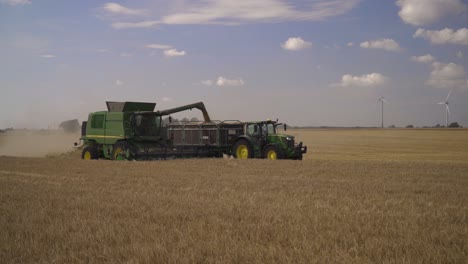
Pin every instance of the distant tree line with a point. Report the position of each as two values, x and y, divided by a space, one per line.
6 130
451 125
70 126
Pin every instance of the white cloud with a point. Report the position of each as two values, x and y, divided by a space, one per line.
449 75
125 54
229 82
228 12
103 50
240 11
296 44
143 24
460 55
350 44
424 12
174 53
48 56
207 82
169 51
167 99
159 46
366 80
423 59
16 2
385 44
115 8
119 83
221 81
444 36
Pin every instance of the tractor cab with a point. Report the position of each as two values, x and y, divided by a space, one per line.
263 128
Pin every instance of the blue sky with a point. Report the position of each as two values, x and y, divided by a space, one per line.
316 62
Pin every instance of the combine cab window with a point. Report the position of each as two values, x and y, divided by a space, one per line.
147 125
97 121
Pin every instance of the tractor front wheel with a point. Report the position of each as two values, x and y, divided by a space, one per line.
89 153
243 150
273 153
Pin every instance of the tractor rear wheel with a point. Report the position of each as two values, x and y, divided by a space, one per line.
89 153
119 151
243 150
273 153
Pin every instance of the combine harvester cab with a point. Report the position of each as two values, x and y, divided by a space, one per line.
261 140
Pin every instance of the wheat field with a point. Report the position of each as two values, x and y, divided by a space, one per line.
359 196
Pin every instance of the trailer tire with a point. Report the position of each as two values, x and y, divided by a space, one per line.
272 152
89 153
242 150
119 148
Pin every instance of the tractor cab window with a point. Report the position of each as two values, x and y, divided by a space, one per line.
146 124
270 129
264 129
260 129
267 129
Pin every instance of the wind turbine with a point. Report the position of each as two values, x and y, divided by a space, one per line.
447 109
382 101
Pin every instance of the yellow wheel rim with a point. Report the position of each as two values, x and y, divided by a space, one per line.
242 152
87 155
118 150
271 155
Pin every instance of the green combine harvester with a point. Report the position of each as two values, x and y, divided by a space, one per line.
134 131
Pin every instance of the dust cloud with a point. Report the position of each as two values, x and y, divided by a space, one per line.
36 143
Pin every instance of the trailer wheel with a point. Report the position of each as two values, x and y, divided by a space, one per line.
119 151
89 153
273 153
243 150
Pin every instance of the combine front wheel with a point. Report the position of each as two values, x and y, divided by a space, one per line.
242 150
89 153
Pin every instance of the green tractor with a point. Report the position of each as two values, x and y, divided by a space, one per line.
261 140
